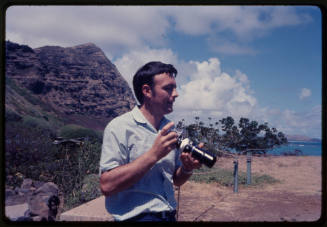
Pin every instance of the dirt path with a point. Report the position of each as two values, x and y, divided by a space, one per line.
296 198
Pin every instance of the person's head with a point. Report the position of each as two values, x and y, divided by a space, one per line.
145 76
155 82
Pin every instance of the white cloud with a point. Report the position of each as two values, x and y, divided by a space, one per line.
128 64
231 28
118 28
306 123
122 28
213 93
291 122
305 93
229 47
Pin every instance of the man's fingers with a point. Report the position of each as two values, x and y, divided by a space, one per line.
166 128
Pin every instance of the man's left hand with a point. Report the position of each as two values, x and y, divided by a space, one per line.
189 163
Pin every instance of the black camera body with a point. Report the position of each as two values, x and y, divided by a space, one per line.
204 157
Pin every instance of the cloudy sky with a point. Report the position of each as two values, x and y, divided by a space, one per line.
259 62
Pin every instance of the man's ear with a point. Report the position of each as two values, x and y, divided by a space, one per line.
147 91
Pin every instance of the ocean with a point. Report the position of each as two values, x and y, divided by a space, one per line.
307 148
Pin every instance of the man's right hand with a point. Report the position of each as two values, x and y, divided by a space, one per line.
165 141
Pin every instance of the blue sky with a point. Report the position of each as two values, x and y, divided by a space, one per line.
259 62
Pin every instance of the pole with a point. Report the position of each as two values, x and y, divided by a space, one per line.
248 169
235 176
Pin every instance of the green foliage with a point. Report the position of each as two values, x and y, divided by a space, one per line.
90 190
34 122
11 84
76 162
91 187
75 131
246 135
226 178
26 148
250 135
30 153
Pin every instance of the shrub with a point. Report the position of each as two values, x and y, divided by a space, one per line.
32 154
34 122
75 131
75 163
26 150
90 188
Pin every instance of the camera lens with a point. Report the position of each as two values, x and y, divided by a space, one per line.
204 157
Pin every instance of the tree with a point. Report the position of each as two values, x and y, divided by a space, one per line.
232 135
243 136
250 135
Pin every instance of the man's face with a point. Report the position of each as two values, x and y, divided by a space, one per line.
163 93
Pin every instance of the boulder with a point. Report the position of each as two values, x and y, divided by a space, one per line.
39 199
44 202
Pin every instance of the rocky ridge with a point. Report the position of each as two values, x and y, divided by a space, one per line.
78 83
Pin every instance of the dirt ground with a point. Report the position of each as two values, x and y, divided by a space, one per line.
296 198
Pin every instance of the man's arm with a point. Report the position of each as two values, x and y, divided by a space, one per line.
123 177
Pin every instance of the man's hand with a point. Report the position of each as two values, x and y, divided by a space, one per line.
165 141
189 163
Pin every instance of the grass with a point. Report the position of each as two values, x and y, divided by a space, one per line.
226 178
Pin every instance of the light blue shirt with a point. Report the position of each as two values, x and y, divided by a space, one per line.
125 139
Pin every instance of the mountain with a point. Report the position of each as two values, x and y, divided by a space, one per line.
76 85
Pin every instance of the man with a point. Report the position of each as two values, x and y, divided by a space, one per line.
139 163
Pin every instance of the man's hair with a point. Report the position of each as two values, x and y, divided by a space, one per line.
145 76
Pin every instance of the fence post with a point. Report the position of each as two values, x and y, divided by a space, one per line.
248 169
235 176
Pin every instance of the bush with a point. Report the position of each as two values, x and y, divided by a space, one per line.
26 151
34 122
90 188
32 154
75 163
75 131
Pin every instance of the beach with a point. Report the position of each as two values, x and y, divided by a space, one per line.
295 198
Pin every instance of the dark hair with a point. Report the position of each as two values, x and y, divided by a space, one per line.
146 73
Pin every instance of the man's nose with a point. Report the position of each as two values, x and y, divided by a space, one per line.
175 93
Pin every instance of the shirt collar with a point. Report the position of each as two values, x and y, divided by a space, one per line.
139 118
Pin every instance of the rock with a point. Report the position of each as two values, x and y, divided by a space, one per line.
38 184
16 211
44 202
48 188
79 83
27 183
9 192
15 199
33 204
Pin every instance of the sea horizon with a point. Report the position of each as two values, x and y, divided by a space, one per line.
306 148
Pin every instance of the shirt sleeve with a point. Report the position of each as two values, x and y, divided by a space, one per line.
113 152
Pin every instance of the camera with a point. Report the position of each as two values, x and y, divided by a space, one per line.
204 157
